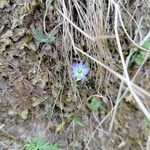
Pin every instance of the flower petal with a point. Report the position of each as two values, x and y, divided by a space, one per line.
77 68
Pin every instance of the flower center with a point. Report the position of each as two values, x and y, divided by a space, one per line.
79 71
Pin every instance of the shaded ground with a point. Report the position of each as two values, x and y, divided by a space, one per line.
37 93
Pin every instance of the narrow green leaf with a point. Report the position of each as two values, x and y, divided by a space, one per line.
2 47
78 122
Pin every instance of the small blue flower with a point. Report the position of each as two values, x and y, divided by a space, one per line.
79 70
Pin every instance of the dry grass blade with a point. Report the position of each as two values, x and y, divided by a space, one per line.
40 94
139 102
122 78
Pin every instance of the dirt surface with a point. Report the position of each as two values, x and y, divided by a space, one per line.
38 94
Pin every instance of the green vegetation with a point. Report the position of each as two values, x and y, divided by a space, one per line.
70 119
40 144
145 127
139 55
74 75
95 104
41 37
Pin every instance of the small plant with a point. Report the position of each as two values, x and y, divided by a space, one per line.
73 118
146 126
48 112
139 55
61 127
41 37
40 144
79 70
2 47
94 104
3 3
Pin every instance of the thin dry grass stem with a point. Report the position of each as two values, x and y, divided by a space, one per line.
98 49
55 102
119 98
148 143
95 117
139 89
67 34
45 14
54 29
48 3
98 126
65 46
2 126
145 39
90 33
108 14
118 75
85 34
148 2
140 104
136 87
75 26
116 106
137 72
122 24
138 30
132 18
82 15
74 85
5 145
5 132
99 96
100 123
93 26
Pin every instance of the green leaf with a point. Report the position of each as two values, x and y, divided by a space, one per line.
40 37
94 105
2 47
34 144
147 44
139 58
48 3
40 144
61 127
78 122
139 55
75 119
3 3
145 125
24 114
53 147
